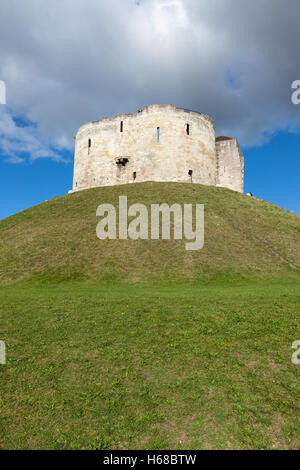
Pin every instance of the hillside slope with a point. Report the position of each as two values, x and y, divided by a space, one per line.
167 353
57 240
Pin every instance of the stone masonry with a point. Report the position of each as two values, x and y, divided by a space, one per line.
159 143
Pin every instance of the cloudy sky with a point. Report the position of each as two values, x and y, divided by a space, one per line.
66 62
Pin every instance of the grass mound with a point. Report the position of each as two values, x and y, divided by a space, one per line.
142 344
56 240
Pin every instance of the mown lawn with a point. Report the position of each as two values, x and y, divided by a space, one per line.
115 366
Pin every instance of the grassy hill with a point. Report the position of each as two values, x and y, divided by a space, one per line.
57 240
142 344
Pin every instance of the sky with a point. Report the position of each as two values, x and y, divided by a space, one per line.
68 62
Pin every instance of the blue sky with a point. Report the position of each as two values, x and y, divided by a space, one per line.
67 62
272 171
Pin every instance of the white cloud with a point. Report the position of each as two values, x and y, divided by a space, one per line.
18 142
66 62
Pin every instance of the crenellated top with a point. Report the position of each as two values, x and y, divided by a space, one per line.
151 109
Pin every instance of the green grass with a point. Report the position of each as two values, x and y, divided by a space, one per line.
122 367
244 237
123 344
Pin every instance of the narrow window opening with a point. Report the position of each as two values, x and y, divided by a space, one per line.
158 129
121 126
134 175
89 145
188 129
191 175
76 184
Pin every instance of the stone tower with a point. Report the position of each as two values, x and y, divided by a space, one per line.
159 143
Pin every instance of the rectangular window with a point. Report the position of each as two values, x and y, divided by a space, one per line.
90 143
158 129
188 129
121 126
134 175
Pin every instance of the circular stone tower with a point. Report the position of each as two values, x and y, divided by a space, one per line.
159 143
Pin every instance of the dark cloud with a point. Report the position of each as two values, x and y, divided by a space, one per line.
66 62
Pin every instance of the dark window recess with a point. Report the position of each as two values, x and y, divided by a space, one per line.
188 129
90 143
122 162
121 126
158 129
134 175
190 172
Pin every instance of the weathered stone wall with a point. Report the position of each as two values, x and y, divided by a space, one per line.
181 154
230 164
159 143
